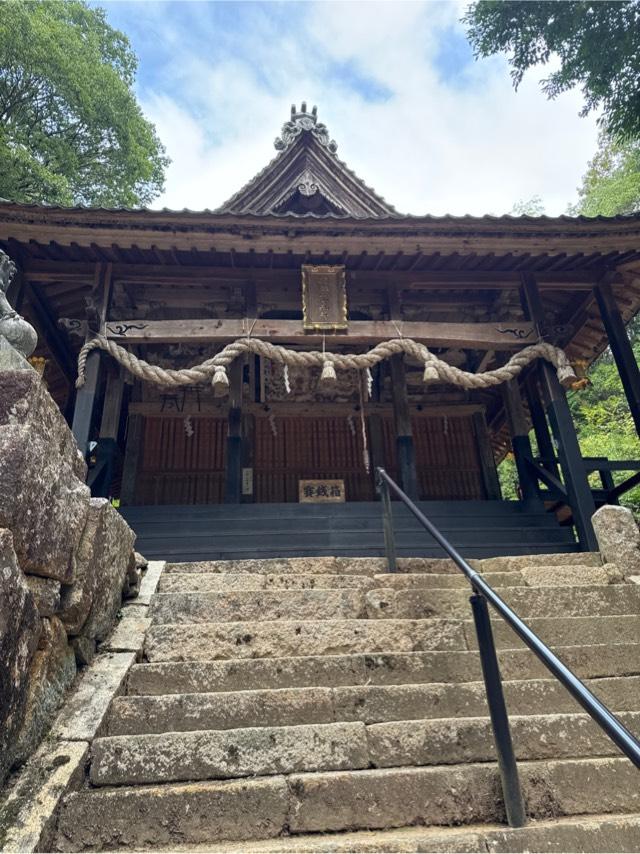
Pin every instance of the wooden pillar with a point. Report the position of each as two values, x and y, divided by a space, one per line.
620 347
520 442
85 402
490 478
404 434
233 477
248 445
97 311
112 404
546 447
402 416
571 463
132 455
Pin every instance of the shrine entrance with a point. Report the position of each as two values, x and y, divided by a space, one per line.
184 462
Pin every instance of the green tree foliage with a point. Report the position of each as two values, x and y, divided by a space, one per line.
597 44
71 130
528 207
612 183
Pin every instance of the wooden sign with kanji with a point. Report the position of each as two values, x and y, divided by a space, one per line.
319 491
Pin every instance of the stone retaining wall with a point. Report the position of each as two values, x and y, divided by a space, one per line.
66 562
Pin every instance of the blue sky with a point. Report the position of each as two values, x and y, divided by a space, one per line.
412 112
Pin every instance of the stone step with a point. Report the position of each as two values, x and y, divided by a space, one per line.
177 677
144 817
136 715
173 757
527 602
226 754
385 603
458 740
592 834
376 565
204 582
282 638
184 582
235 605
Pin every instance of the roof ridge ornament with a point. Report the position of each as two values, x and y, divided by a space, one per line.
303 122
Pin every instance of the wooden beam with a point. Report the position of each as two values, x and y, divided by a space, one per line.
520 442
485 455
85 398
43 270
112 404
573 468
132 455
481 336
233 478
404 434
621 348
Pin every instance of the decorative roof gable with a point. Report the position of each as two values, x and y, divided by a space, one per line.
306 178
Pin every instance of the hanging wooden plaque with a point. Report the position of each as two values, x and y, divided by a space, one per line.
324 298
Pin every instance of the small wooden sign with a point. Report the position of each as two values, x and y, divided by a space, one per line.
324 298
312 491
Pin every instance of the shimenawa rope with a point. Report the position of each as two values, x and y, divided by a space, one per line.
214 370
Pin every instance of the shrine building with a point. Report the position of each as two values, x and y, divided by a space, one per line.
308 257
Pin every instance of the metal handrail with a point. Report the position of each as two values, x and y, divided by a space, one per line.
483 593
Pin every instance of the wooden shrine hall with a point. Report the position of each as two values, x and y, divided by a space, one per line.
307 256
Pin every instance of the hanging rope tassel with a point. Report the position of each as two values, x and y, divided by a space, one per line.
430 374
220 381
328 376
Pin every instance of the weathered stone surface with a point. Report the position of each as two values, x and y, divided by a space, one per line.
448 742
181 582
28 814
518 562
46 593
528 603
85 710
52 671
618 537
188 712
91 603
570 631
175 677
251 752
564 576
587 835
156 817
211 641
245 605
393 798
84 649
19 634
149 583
42 501
128 635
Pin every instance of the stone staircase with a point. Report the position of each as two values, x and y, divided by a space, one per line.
319 704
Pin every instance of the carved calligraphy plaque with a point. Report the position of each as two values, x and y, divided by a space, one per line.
324 298
311 491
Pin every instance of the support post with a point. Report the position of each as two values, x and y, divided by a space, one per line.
571 463
540 425
376 446
485 455
404 434
132 454
513 802
520 442
85 401
233 477
248 440
620 347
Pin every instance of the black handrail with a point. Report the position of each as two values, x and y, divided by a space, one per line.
607 721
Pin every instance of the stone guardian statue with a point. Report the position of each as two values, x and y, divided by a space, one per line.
18 338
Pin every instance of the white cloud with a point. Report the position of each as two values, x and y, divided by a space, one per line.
434 146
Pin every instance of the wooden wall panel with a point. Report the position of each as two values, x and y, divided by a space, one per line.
306 448
180 469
